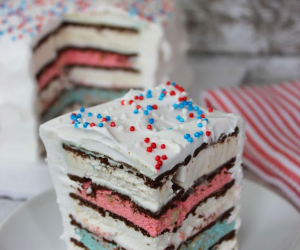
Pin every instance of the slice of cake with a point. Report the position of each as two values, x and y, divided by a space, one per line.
151 170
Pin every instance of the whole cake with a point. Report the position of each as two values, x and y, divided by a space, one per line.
56 56
149 171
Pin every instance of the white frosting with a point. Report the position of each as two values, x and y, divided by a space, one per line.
120 145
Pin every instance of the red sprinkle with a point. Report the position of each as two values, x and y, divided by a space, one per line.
157 158
176 86
154 106
73 122
136 97
141 98
168 83
123 102
210 110
202 116
180 99
149 149
164 157
157 167
149 127
163 146
112 124
172 92
191 115
104 119
138 106
130 102
184 98
181 89
159 163
208 133
153 145
132 128
92 124
147 140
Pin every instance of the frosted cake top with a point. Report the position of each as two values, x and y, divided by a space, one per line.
152 130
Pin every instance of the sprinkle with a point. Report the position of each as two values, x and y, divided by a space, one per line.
73 116
151 120
205 119
178 117
196 108
92 124
112 124
184 98
172 93
154 106
149 96
147 140
132 128
149 149
130 102
157 158
200 125
82 109
164 157
168 83
149 127
181 120
201 133
210 110
79 115
104 119
175 106
136 97
190 108
173 83
141 98
157 167
191 115
198 117
197 135
90 114
122 102
190 139
208 133
202 116
138 106
149 107
163 146
200 112
100 124
107 118
153 145
99 116
135 111
186 136
85 124
146 112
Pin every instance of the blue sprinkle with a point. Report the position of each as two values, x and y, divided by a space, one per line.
82 109
184 103
173 83
181 105
149 91
205 119
200 125
76 125
190 108
170 128
135 111
146 112
160 98
107 118
140 94
163 90
198 117
149 96
190 103
149 107
85 124
151 120
181 120
200 112
197 135
196 108
90 114
73 117
175 106
79 115
162 95
201 133
187 136
99 116
178 117
1 33
100 124
190 139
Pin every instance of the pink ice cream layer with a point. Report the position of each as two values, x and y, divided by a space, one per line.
83 57
169 220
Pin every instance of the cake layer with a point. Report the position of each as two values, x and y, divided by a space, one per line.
105 76
154 223
83 56
77 94
152 195
117 231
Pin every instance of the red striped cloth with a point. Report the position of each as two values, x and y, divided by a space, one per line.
272 113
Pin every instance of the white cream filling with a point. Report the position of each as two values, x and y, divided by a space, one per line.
105 78
227 245
130 239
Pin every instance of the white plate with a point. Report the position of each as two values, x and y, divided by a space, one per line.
267 223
